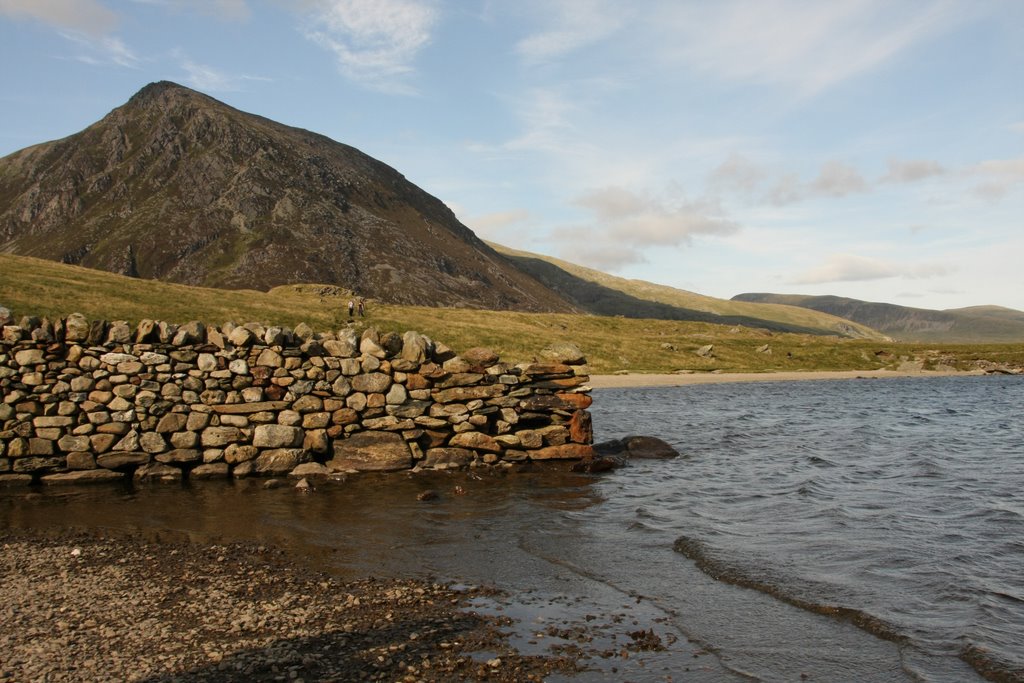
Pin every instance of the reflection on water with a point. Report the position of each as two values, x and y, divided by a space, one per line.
552 540
353 528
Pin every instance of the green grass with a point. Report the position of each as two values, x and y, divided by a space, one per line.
31 286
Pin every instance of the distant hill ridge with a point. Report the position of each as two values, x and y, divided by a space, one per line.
177 186
603 294
967 325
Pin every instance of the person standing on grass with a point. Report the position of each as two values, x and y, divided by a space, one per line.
351 308
361 313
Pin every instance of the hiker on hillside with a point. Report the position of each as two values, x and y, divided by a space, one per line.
351 308
361 307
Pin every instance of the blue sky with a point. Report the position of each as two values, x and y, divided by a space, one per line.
863 148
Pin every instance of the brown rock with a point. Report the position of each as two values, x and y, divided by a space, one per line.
580 401
211 470
277 436
157 471
345 416
118 460
371 452
581 428
238 453
180 455
565 353
371 383
246 408
569 451
462 394
82 477
476 441
81 461
459 457
218 437
545 403
280 460
481 357
542 369
172 422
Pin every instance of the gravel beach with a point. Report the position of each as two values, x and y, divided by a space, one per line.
88 608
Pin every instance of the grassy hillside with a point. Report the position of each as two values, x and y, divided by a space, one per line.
604 294
31 286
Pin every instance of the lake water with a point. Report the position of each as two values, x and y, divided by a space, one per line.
857 530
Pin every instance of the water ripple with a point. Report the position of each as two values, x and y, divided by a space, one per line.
896 504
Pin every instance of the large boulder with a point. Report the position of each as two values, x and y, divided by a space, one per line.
416 347
277 436
371 451
76 328
564 352
641 447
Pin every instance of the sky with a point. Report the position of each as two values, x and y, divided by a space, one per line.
872 149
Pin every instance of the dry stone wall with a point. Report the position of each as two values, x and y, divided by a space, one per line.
95 401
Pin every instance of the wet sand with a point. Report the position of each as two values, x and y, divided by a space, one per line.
637 380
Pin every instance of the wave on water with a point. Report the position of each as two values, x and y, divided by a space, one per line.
987 664
727 573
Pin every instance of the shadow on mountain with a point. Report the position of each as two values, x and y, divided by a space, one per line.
591 297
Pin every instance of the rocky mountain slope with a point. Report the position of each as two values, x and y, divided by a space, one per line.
179 187
969 325
603 294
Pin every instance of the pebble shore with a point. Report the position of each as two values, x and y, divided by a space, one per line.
88 608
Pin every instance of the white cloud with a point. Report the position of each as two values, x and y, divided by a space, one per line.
374 41
86 16
625 224
547 117
211 79
910 171
1000 177
737 174
203 77
837 179
571 25
853 268
793 43
101 50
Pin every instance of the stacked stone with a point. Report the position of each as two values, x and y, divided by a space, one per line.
91 400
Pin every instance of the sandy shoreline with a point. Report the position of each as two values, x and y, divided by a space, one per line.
637 380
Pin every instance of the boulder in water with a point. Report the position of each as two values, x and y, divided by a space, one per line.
641 447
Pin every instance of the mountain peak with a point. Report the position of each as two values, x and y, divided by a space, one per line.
177 186
164 92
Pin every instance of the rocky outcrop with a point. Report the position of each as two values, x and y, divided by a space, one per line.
156 401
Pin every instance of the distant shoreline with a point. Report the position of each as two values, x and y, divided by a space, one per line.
638 380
